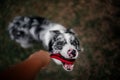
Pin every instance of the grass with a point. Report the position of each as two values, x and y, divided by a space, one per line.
95 21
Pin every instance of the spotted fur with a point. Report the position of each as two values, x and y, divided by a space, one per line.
54 37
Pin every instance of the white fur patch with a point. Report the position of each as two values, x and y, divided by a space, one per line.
57 61
46 35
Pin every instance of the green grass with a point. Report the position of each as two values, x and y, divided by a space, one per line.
96 22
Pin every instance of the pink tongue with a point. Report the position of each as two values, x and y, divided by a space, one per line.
68 67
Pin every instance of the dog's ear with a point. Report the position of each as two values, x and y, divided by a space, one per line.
69 30
55 32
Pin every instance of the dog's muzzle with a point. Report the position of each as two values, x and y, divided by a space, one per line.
68 64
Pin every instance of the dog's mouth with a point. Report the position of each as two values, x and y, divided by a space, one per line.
68 64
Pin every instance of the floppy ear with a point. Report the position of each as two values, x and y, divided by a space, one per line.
55 32
69 30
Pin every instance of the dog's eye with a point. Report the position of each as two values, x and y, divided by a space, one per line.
59 47
74 42
60 43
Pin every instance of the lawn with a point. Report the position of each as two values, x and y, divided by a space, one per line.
97 23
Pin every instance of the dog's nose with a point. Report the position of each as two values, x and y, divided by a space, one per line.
73 53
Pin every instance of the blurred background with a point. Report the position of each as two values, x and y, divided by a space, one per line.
97 23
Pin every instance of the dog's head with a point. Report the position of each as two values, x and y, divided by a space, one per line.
67 45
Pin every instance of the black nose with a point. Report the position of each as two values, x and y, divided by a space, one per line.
73 53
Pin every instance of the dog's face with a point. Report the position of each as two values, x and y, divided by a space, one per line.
67 45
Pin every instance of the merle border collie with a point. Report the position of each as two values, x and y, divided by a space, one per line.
62 43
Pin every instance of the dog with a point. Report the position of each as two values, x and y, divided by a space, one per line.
62 43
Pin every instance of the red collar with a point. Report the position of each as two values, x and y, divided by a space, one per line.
62 59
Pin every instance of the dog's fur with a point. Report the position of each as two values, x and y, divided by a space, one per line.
54 37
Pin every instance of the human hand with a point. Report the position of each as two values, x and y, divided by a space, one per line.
42 56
